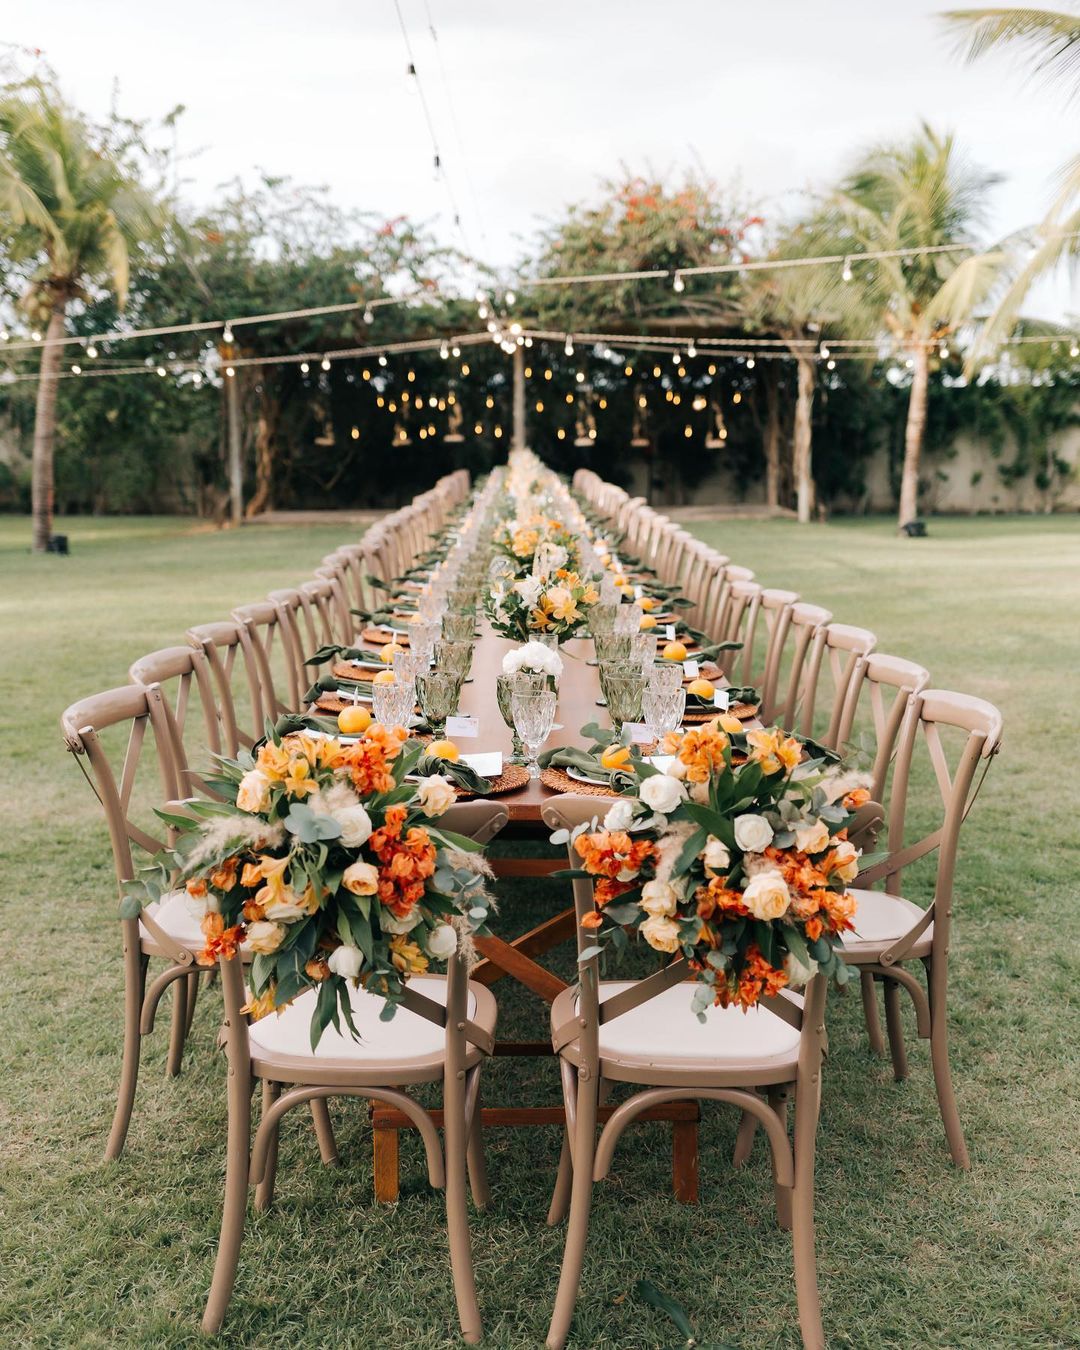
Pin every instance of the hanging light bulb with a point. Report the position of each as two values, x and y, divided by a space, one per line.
91 350
561 434
35 336
444 350
483 311
628 370
678 284
1074 350
304 367
76 370
750 363
465 368
736 397
228 371
197 380
515 329
944 352
824 352
688 431
511 298
712 369
569 347
656 372
382 358
325 363
492 326
830 364
162 371
366 373
676 358
455 350
528 342
369 315
845 275
227 333
691 350
580 377
355 433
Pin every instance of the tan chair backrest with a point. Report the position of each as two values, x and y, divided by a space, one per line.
827 673
230 656
885 684
803 626
184 675
760 663
275 658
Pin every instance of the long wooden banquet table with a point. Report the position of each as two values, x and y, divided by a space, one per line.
579 692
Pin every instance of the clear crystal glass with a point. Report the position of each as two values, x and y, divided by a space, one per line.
533 715
392 704
612 648
623 695
643 649
666 675
459 627
506 686
663 709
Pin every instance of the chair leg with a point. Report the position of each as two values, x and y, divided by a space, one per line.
950 1115
560 1196
264 1191
870 1012
192 999
580 1205
778 1100
744 1140
802 1225
178 1028
384 1147
478 1177
895 1027
234 1207
455 1146
134 991
684 1161
324 1131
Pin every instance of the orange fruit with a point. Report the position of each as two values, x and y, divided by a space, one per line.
647 602
620 580
729 723
674 651
647 621
444 750
388 652
615 756
701 688
383 677
353 721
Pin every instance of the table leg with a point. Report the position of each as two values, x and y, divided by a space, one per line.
684 1161
386 1138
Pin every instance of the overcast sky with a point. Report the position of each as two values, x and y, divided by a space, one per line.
550 97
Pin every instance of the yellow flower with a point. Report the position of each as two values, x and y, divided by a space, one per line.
407 955
361 878
299 781
264 937
273 760
260 1005
590 595
562 604
661 933
773 750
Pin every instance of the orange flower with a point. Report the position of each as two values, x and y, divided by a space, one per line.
220 941
840 908
260 1005
197 888
702 751
224 877
273 760
593 920
717 896
613 854
368 759
316 970
757 979
251 875
298 781
814 928
773 750
855 798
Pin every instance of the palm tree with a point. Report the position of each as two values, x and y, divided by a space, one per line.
70 212
919 195
1050 42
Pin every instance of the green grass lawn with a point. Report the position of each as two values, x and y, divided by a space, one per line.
911 1252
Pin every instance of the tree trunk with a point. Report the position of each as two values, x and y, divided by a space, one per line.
803 446
913 436
771 437
265 435
41 482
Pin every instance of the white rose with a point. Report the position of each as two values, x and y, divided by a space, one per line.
289 907
620 816
753 834
676 769
390 923
435 795
442 942
661 793
699 793
799 973
812 838
661 933
659 898
361 878
355 825
715 854
346 961
265 937
766 896
529 589
253 793
847 861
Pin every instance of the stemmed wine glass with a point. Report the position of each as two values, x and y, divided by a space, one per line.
506 686
392 704
663 709
437 693
533 713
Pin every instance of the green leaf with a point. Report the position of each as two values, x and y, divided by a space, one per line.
308 826
656 1298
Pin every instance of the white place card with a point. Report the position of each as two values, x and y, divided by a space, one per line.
660 762
721 699
464 727
639 733
638 592
669 632
487 763
691 669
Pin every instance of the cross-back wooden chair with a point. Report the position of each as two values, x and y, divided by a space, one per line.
892 930
720 600
441 1034
759 663
739 622
803 626
643 1033
826 677
230 656
275 659
184 674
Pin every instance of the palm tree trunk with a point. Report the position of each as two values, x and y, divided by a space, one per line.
803 445
41 482
772 441
913 436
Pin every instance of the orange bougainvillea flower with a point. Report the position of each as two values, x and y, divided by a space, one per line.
840 908
613 854
368 760
814 928
220 941
773 750
197 888
716 897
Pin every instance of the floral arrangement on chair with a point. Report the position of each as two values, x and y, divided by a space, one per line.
327 867
733 857
557 604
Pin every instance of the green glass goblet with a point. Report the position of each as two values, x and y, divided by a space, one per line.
438 694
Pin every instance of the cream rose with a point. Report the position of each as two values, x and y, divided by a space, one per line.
361 878
753 834
766 896
253 793
847 861
346 961
529 589
661 793
435 795
659 898
442 942
390 923
715 854
355 825
799 973
620 816
661 932
812 838
288 907
265 938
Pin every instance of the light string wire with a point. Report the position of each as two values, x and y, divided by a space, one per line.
456 125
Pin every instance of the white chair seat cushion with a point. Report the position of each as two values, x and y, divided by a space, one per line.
881 919
405 1038
665 1030
177 914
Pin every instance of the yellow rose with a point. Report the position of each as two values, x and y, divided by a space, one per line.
846 861
253 793
767 896
361 878
661 933
659 898
813 838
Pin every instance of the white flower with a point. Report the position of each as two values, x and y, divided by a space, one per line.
535 657
529 589
659 898
264 938
289 907
442 942
346 961
253 793
699 793
390 923
661 793
620 816
812 838
753 834
361 878
676 769
661 932
355 825
847 861
715 854
196 905
766 896
799 973
435 795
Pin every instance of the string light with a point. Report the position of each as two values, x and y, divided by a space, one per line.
561 434
369 315
511 298
539 405
824 352
365 374
547 374
382 359
736 397
228 371
528 372
444 350
1074 350
580 377
465 368
304 367
227 334
410 375
691 350
676 358
641 401
846 274
35 336
628 371
455 350
656 372
678 284
569 398
830 364
355 433
162 371
325 363
750 363
688 431
91 350
497 432
569 345
76 370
